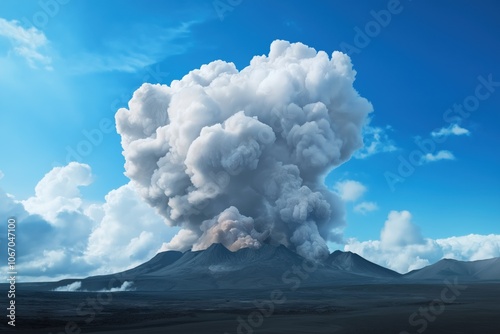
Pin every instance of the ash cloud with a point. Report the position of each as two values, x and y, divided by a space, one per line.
239 157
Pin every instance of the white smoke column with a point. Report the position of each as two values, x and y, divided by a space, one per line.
239 157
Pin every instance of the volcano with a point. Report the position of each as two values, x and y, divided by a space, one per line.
219 291
219 268
269 266
353 263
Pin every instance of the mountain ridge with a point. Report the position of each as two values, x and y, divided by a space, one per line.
482 270
273 266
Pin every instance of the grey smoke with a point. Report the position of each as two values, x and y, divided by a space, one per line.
239 157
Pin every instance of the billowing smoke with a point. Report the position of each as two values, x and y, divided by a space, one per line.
239 157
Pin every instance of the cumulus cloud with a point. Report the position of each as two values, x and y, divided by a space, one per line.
365 207
376 140
441 155
402 247
46 248
26 43
127 232
59 231
58 191
350 190
453 129
399 231
237 156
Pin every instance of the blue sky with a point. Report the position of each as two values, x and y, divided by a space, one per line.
67 66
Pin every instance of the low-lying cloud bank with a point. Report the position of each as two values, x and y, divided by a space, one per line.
403 248
60 235
124 231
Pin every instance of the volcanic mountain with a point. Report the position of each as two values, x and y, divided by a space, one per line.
218 268
353 263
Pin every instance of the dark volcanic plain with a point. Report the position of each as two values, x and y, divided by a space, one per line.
365 309
270 290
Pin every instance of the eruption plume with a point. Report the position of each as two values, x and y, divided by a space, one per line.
239 157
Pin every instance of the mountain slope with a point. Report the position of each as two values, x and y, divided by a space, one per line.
483 270
218 268
353 263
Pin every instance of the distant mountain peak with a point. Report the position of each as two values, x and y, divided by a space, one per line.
354 263
485 270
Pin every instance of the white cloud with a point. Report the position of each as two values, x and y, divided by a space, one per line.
57 243
471 247
365 207
453 129
399 231
402 247
128 231
1 175
58 191
376 140
29 44
441 155
350 190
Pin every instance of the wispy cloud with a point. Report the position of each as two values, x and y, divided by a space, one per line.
27 43
365 207
130 54
453 129
441 155
376 140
